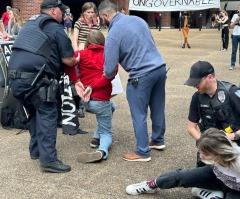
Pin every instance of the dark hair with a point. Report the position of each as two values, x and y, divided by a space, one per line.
107 5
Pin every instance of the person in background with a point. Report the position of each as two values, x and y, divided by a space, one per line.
200 21
235 24
157 19
68 19
147 76
223 174
83 25
34 70
223 20
213 20
14 25
5 17
97 94
185 26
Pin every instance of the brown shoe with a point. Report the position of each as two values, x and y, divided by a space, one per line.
152 145
133 157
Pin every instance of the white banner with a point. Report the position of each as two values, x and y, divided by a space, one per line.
172 5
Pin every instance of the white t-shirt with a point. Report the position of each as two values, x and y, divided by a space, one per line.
230 176
236 29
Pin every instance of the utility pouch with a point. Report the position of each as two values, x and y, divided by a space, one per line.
42 93
52 91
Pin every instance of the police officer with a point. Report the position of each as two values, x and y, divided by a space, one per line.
215 104
38 56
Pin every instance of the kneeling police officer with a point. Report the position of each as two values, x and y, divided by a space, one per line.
38 55
215 104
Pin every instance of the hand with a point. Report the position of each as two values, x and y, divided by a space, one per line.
80 89
87 94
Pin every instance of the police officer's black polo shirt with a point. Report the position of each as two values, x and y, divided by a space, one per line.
234 94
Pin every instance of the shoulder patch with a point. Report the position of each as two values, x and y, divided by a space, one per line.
237 93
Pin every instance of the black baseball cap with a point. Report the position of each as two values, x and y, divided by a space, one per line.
53 4
199 70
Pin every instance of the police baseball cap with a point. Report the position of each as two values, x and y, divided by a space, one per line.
199 70
53 4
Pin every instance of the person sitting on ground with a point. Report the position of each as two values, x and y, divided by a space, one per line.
223 174
14 25
97 94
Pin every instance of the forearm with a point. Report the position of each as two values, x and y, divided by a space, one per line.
70 61
192 130
111 54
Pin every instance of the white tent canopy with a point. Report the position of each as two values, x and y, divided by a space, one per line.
172 5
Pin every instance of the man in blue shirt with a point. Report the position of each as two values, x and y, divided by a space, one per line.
130 43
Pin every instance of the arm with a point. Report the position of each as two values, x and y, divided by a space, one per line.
234 94
234 22
111 55
75 39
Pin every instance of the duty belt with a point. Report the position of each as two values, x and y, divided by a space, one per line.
13 74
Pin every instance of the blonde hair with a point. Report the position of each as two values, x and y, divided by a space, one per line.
95 37
214 141
17 17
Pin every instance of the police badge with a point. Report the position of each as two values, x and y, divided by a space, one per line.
221 96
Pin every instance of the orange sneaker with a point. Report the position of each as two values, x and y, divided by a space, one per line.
152 145
133 157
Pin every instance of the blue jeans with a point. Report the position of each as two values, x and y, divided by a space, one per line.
149 91
201 177
103 111
235 42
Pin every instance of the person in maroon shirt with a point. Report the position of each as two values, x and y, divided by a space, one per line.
97 94
5 17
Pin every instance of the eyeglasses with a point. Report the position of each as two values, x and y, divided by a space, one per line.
57 4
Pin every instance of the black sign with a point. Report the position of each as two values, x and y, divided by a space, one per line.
7 50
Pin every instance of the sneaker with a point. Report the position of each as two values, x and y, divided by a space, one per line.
152 145
133 157
223 49
139 188
207 194
231 67
89 157
95 143
188 46
183 46
55 167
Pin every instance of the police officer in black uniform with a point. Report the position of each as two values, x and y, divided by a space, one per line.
39 55
215 104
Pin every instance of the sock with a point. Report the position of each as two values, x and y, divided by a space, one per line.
152 184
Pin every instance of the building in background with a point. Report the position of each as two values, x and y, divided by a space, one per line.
169 19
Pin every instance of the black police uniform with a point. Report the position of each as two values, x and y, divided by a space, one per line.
27 63
222 111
